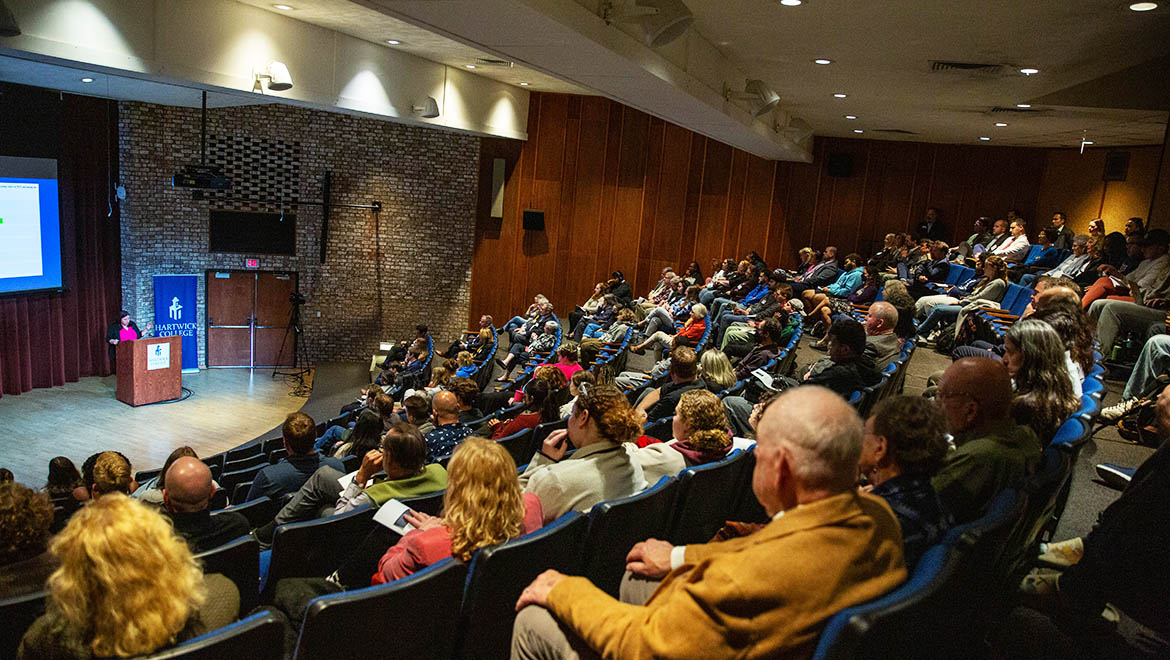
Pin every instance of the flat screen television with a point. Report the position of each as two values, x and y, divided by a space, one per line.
251 232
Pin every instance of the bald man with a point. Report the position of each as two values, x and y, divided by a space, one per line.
448 431
992 451
186 496
734 599
881 344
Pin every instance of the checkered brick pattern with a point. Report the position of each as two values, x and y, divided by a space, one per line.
380 277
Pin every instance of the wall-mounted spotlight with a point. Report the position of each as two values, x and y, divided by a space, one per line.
8 25
662 21
277 76
797 130
428 110
762 98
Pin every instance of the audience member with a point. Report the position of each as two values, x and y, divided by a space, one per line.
1147 276
63 486
1153 361
1071 267
767 348
689 335
1016 247
980 236
903 446
466 391
1064 236
895 293
701 436
882 344
110 474
25 520
127 586
520 352
568 359
735 598
819 275
1035 359
365 435
398 469
684 376
847 368
540 406
448 431
187 493
151 491
575 382
716 371
417 409
992 451
290 473
601 469
945 310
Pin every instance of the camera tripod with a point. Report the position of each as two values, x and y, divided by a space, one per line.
300 366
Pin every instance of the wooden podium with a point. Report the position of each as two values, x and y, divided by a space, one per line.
150 370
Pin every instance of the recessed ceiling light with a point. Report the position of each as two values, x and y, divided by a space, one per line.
821 60
524 84
858 130
1137 6
985 139
796 3
470 66
1000 124
839 96
851 116
1086 142
1023 105
1028 71
393 42
283 7
87 80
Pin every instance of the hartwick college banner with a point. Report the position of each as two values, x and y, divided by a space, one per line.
174 313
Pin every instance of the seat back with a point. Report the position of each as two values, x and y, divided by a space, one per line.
953 273
1023 297
229 480
908 622
519 445
705 498
142 476
431 503
1043 489
986 538
259 511
258 637
706 335
1033 254
239 561
540 433
424 606
316 547
246 451
498 574
747 507
615 526
16 615
661 429
1009 297
245 463
1071 435
216 463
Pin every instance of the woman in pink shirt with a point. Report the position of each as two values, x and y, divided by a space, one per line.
567 359
122 330
483 506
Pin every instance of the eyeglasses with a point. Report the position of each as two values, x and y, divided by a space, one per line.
941 394
583 390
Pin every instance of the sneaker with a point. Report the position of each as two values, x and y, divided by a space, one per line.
1119 410
1115 476
1063 553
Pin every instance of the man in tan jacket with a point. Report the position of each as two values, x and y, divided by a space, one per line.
764 595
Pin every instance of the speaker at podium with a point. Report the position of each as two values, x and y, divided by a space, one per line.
149 370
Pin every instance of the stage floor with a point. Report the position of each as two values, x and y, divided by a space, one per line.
228 408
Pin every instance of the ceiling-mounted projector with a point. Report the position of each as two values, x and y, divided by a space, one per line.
661 21
201 176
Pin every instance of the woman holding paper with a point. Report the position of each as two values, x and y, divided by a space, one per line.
124 329
483 506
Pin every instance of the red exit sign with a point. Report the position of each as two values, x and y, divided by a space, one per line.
251 263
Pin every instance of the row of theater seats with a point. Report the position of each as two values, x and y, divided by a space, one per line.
462 610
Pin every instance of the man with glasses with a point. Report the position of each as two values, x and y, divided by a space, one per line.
991 450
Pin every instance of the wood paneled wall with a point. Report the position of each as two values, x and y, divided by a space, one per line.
622 190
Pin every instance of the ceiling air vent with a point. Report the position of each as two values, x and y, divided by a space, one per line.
489 61
895 131
970 67
1020 111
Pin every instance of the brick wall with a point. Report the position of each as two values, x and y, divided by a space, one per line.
425 179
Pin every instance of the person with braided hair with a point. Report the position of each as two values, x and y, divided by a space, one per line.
601 469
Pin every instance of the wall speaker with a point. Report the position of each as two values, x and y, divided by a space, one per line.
840 165
533 220
498 168
1116 166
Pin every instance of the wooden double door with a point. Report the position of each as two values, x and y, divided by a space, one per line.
248 314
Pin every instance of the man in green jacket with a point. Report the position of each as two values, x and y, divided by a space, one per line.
991 451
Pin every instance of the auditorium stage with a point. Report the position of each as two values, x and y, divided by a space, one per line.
228 408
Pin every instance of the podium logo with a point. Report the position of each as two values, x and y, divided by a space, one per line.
158 349
176 310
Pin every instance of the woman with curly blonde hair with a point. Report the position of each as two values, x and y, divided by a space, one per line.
701 436
127 586
482 506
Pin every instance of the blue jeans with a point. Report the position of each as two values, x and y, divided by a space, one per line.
707 295
940 316
725 321
593 331
330 437
516 322
717 306
1154 360
1028 280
